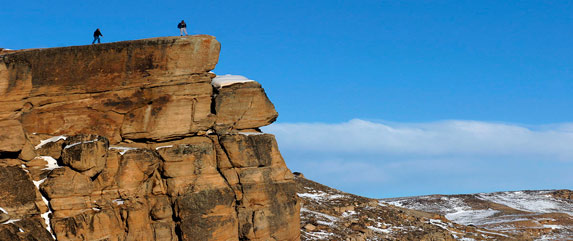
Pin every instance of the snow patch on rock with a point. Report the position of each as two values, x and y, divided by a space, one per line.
52 139
122 149
225 80
81 142
51 162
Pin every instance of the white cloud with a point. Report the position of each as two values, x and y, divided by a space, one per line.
444 138
402 159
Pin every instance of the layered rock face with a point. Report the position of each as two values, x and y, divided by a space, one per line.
130 141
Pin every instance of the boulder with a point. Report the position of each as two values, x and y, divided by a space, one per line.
12 136
86 153
243 106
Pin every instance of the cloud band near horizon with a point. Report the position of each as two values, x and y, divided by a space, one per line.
443 138
381 159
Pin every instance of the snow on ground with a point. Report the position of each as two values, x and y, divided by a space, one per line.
320 195
466 216
52 139
455 209
553 226
493 233
458 211
349 213
439 223
331 219
380 230
320 235
228 79
537 202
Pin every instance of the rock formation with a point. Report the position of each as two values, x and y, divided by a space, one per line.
130 141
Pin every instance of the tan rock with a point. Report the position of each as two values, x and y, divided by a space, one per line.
17 190
97 68
64 182
30 228
74 121
309 227
51 149
243 106
169 117
28 152
268 194
101 225
40 167
12 136
86 153
251 150
136 168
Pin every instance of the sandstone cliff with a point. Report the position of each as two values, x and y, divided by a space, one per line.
130 141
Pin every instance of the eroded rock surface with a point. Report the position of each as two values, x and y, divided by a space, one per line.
130 141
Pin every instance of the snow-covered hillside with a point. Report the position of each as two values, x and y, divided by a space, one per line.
546 214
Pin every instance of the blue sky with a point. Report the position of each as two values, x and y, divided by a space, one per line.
398 65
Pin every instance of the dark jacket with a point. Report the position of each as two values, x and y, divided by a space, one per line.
97 33
182 25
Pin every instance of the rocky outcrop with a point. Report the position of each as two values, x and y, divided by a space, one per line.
130 141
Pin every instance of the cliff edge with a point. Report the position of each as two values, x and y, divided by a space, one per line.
131 141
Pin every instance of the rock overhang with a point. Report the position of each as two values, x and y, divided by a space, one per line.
150 89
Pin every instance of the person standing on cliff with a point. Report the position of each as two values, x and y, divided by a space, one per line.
97 34
182 26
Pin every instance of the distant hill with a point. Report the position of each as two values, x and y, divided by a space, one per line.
329 214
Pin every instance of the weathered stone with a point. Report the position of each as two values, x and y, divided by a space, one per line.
39 168
73 121
25 229
28 152
251 150
17 191
86 153
100 225
169 117
52 149
12 136
64 182
97 68
208 215
267 198
136 168
309 227
243 106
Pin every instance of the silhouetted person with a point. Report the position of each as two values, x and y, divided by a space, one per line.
97 34
182 28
